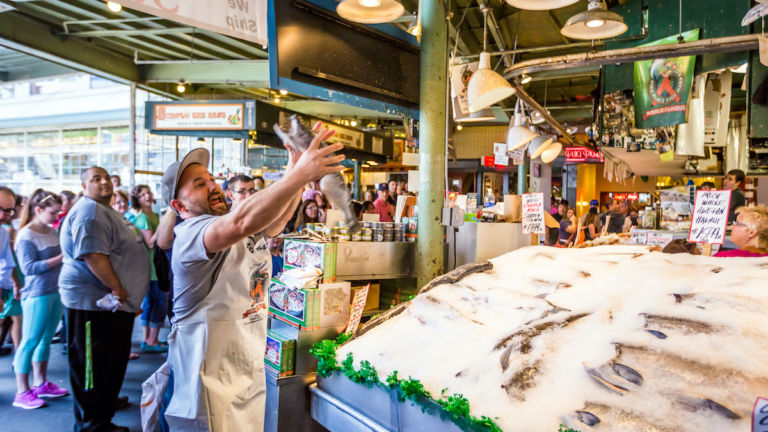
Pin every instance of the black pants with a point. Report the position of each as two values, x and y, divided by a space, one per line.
110 348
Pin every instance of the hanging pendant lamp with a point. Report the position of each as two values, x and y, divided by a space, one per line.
596 23
540 4
551 153
486 87
518 135
370 11
539 145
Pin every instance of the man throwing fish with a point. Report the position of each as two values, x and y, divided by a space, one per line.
216 346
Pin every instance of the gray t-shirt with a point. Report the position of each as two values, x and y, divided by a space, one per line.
33 249
7 265
94 228
194 271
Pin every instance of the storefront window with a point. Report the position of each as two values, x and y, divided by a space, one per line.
43 139
79 137
75 163
11 160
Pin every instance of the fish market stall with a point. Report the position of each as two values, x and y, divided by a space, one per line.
611 338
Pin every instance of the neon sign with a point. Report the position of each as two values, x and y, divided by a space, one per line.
583 154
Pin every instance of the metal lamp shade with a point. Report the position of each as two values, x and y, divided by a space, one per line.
518 136
356 11
576 27
551 153
486 87
539 145
540 4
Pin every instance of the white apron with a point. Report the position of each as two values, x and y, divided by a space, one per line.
216 353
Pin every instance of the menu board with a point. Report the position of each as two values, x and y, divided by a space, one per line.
533 213
710 216
356 311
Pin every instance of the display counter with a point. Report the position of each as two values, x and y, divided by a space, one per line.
480 241
358 260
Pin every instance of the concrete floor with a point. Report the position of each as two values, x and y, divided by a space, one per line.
57 416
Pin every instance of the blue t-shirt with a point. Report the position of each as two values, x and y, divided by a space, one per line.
94 228
33 249
277 264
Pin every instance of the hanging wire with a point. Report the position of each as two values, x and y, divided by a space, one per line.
680 22
485 28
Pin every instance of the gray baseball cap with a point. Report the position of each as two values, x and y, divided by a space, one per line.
174 171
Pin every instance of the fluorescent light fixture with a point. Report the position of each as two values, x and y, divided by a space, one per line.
370 11
596 23
114 6
540 4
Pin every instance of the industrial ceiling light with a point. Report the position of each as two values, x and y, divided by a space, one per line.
525 79
114 6
283 92
539 144
480 116
459 127
486 87
518 135
353 123
540 4
415 27
181 87
276 100
551 153
370 11
596 23
200 140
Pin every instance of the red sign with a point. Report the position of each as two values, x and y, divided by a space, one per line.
583 154
626 196
490 162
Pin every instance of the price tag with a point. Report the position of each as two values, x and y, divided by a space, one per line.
659 238
533 213
356 311
760 415
501 159
638 237
517 155
710 216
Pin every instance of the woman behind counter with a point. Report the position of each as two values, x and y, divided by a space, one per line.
749 232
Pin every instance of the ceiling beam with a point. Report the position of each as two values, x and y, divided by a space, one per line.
253 73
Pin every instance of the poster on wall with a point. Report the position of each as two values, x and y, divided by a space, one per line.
662 86
460 75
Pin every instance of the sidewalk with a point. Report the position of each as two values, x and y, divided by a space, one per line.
57 416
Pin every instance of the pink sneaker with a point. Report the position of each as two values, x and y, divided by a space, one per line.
49 390
28 400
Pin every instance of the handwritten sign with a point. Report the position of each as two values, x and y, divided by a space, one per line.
710 215
356 311
533 213
760 415
501 159
660 239
637 237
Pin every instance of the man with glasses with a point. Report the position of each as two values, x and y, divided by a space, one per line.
239 188
10 306
733 181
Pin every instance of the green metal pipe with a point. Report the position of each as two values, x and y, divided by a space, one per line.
522 175
432 135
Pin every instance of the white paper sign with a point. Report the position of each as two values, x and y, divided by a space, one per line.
244 19
533 213
501 159
637 237
710 216
659 238
460 75
356 311
499 148
348 137
760 415
198 116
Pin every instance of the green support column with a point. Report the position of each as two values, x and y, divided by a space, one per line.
356 186
432 123
522 175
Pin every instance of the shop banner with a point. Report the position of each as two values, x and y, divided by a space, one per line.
662 87
198 116
460 75
533 213
243 19
356 311
348 137
710 216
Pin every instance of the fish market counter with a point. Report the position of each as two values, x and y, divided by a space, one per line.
357 260
662 237
480 241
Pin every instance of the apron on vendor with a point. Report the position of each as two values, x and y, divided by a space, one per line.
222 267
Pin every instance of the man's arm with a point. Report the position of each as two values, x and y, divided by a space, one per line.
101 267
257 212
164 234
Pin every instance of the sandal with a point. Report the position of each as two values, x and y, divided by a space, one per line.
153 348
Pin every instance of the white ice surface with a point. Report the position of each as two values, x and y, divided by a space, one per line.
447 337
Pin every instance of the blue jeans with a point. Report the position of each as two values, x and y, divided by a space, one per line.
154 308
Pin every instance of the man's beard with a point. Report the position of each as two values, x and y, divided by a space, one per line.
206 209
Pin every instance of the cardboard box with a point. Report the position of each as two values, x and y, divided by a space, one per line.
301 253
372 301
280 353
513 208
312 308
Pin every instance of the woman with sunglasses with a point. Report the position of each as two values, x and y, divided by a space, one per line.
39 255
749 232
308 213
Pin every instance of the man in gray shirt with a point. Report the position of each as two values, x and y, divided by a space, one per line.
102 254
